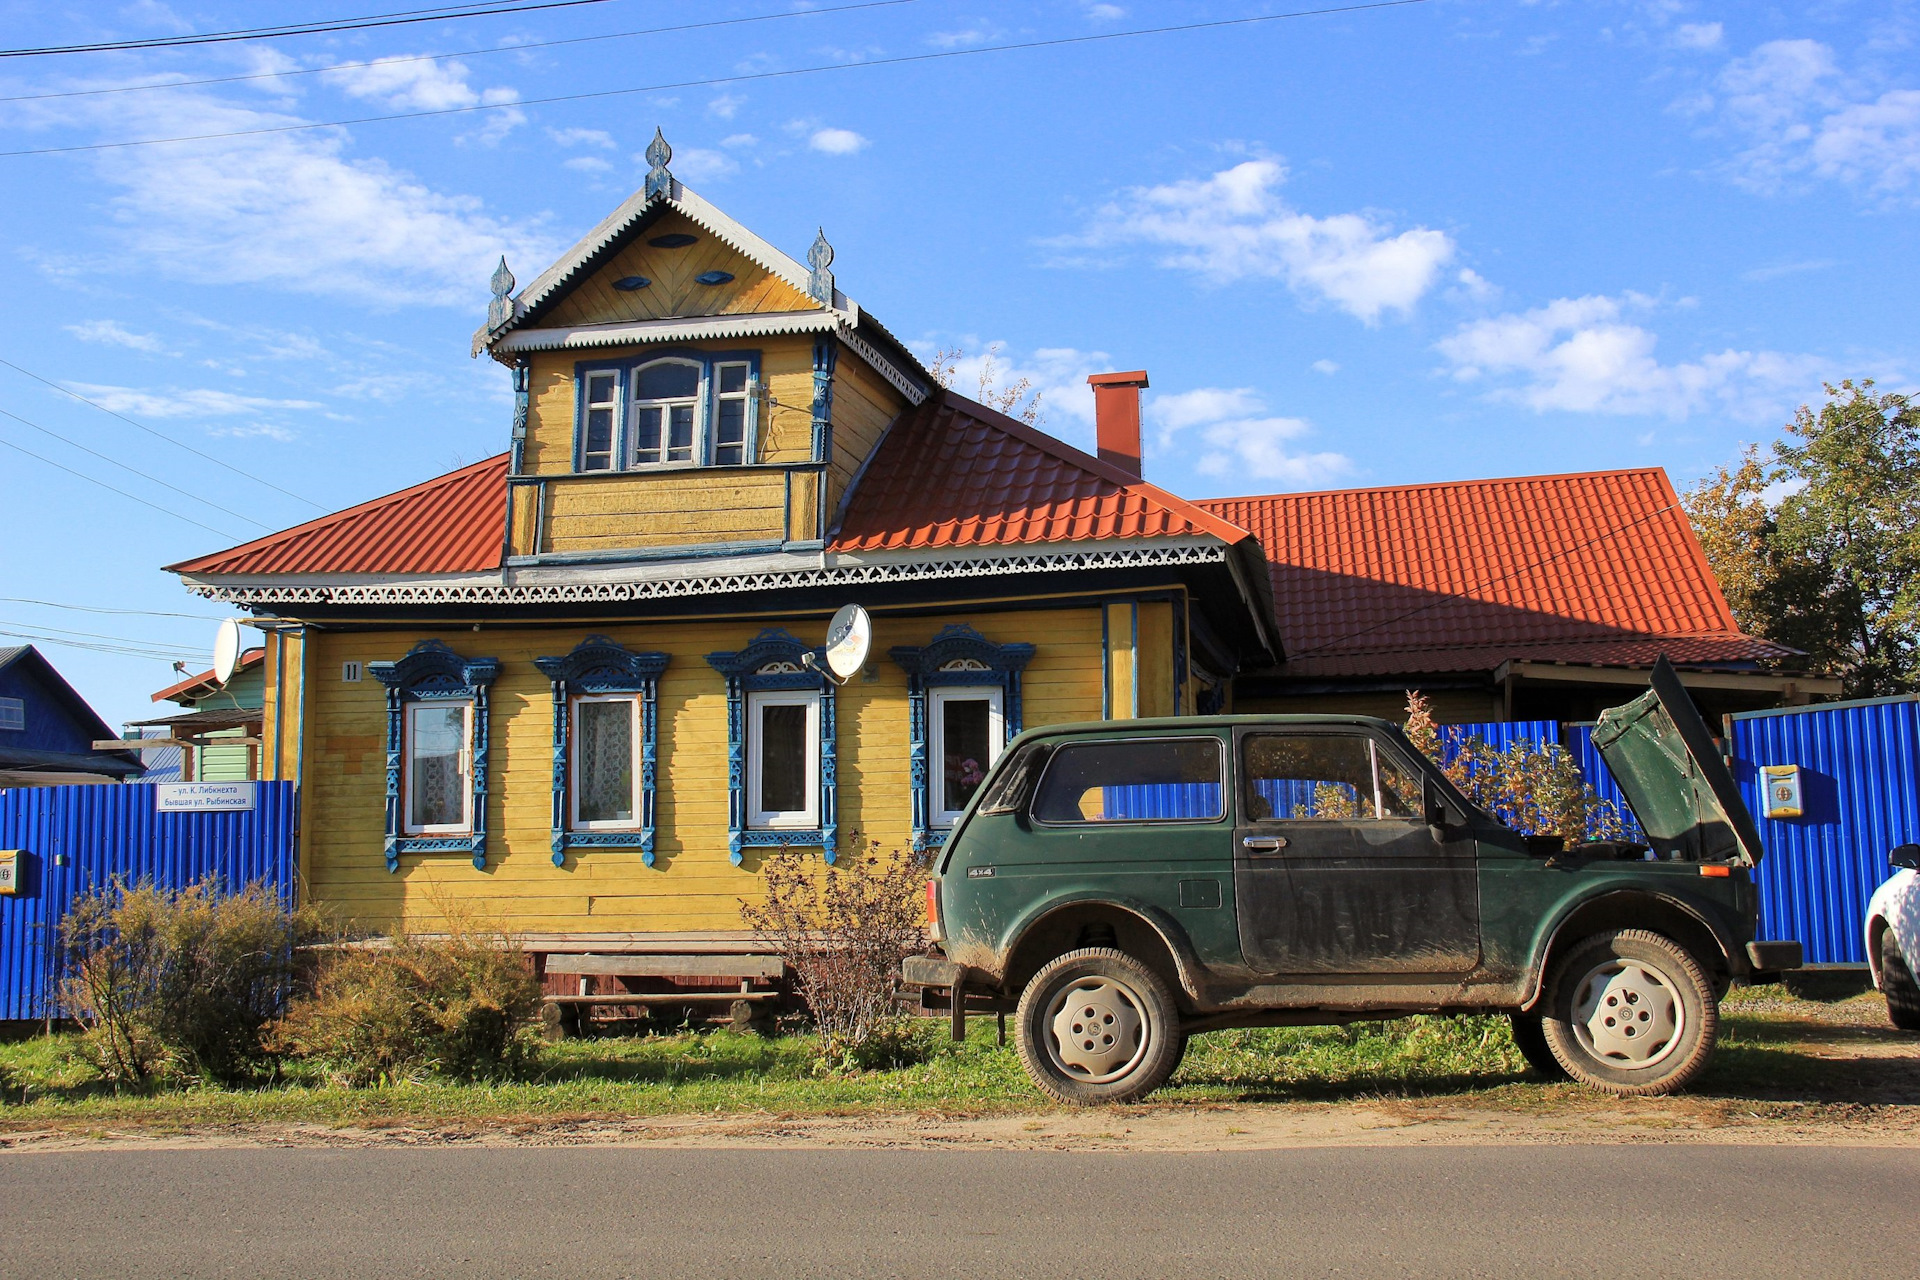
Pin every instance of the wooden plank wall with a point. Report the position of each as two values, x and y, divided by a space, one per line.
673 291
864 404
609 513
693 887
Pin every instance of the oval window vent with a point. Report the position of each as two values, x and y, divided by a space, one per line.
627 284
713 277
678 240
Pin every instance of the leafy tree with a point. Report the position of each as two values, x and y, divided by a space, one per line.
1817 545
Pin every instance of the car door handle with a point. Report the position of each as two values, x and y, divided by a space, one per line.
1263 844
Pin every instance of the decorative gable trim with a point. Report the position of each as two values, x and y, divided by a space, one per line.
602 665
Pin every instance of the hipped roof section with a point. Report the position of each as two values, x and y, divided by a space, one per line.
1596 567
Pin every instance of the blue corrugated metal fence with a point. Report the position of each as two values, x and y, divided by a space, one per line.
79 838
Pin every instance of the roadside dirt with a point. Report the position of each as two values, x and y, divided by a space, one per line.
1794 1073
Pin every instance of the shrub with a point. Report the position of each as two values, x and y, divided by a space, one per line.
1537 790
456 1005
844 928
179 983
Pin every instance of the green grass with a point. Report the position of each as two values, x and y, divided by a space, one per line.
44 1082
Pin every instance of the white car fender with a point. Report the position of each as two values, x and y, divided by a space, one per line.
1897 902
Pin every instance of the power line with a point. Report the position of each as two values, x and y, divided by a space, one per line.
95 608
742 78
161 435
46 431
408 17
8 628
132 651
460 53
122 492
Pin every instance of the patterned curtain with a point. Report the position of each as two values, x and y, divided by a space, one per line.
605 761
439 780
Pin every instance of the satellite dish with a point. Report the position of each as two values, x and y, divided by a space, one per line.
226 650
849 636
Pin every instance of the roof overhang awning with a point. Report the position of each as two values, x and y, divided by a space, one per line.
1785 685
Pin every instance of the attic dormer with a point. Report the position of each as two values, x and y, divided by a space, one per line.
682 383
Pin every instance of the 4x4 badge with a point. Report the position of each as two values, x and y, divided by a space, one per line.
979 873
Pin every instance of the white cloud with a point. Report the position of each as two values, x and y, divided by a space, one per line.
1775 270
193 402
725 106
698 164
1801 116
256 430
1233 437
1327 367
586 164
837 142
292 211
113 334
739 140
1105 12
974 35
430 84
1235 224
1582 355
583 138
1698 35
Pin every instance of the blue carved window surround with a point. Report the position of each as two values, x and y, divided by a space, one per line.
599 665
622 373
958 655
432 672
775 661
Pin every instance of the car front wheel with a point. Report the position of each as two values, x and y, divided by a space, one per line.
1097 1026
1897 984
1630 1012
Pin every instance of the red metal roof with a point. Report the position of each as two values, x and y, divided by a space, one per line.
205 678
450 524
954 473
1599 567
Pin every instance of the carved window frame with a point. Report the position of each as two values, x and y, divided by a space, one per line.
706 413
432 672
600 665
776 661
957 657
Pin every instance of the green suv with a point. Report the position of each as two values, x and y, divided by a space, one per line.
1122 886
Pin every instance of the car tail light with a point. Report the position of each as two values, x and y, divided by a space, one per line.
933 907
1720 872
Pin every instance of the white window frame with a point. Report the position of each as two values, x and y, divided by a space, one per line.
783 820
746 398
634 823
616 445
14 719
635 404
465 826
937 699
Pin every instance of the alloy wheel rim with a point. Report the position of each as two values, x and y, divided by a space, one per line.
1097 1030
1628 1014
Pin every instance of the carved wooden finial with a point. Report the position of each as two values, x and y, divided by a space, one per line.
820 281
659 181
500 310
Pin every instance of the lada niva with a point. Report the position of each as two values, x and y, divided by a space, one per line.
1121 886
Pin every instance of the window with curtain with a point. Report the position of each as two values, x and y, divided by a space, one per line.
439 766
605 782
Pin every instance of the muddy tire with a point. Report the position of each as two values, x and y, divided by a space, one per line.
1631 1013
1897 984
1096 1026
1531 1039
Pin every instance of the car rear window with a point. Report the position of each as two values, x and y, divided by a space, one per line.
1009 785
1135 780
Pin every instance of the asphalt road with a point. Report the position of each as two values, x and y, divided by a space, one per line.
1696 1212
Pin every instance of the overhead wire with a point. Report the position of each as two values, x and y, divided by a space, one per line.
96 608
161 435
407 17
112 489
458 53
712 81
135 471
132 648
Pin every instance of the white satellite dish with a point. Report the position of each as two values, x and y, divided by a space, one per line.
226 650
849 636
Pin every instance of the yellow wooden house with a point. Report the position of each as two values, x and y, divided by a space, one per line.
578 685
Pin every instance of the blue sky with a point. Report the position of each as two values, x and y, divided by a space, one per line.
1446 240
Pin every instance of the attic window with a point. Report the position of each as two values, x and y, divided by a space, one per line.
677 240
685 409
13 714
713 277
628 284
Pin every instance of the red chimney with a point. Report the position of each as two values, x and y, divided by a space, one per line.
1116 417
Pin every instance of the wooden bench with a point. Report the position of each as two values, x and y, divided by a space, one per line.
563 1012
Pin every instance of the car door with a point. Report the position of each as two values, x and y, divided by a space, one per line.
1335 868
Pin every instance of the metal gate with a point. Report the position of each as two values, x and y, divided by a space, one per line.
72 839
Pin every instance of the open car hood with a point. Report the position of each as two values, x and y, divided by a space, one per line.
1664 759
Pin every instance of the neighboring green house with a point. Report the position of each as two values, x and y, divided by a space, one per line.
218 733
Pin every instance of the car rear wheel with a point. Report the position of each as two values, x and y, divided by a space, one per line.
1531 1039
1630 1012
1097 1026
1897 984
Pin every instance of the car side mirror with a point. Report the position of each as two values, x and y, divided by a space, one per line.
1905 857
1435 808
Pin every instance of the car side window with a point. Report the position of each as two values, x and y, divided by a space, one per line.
1134 780
1333 776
